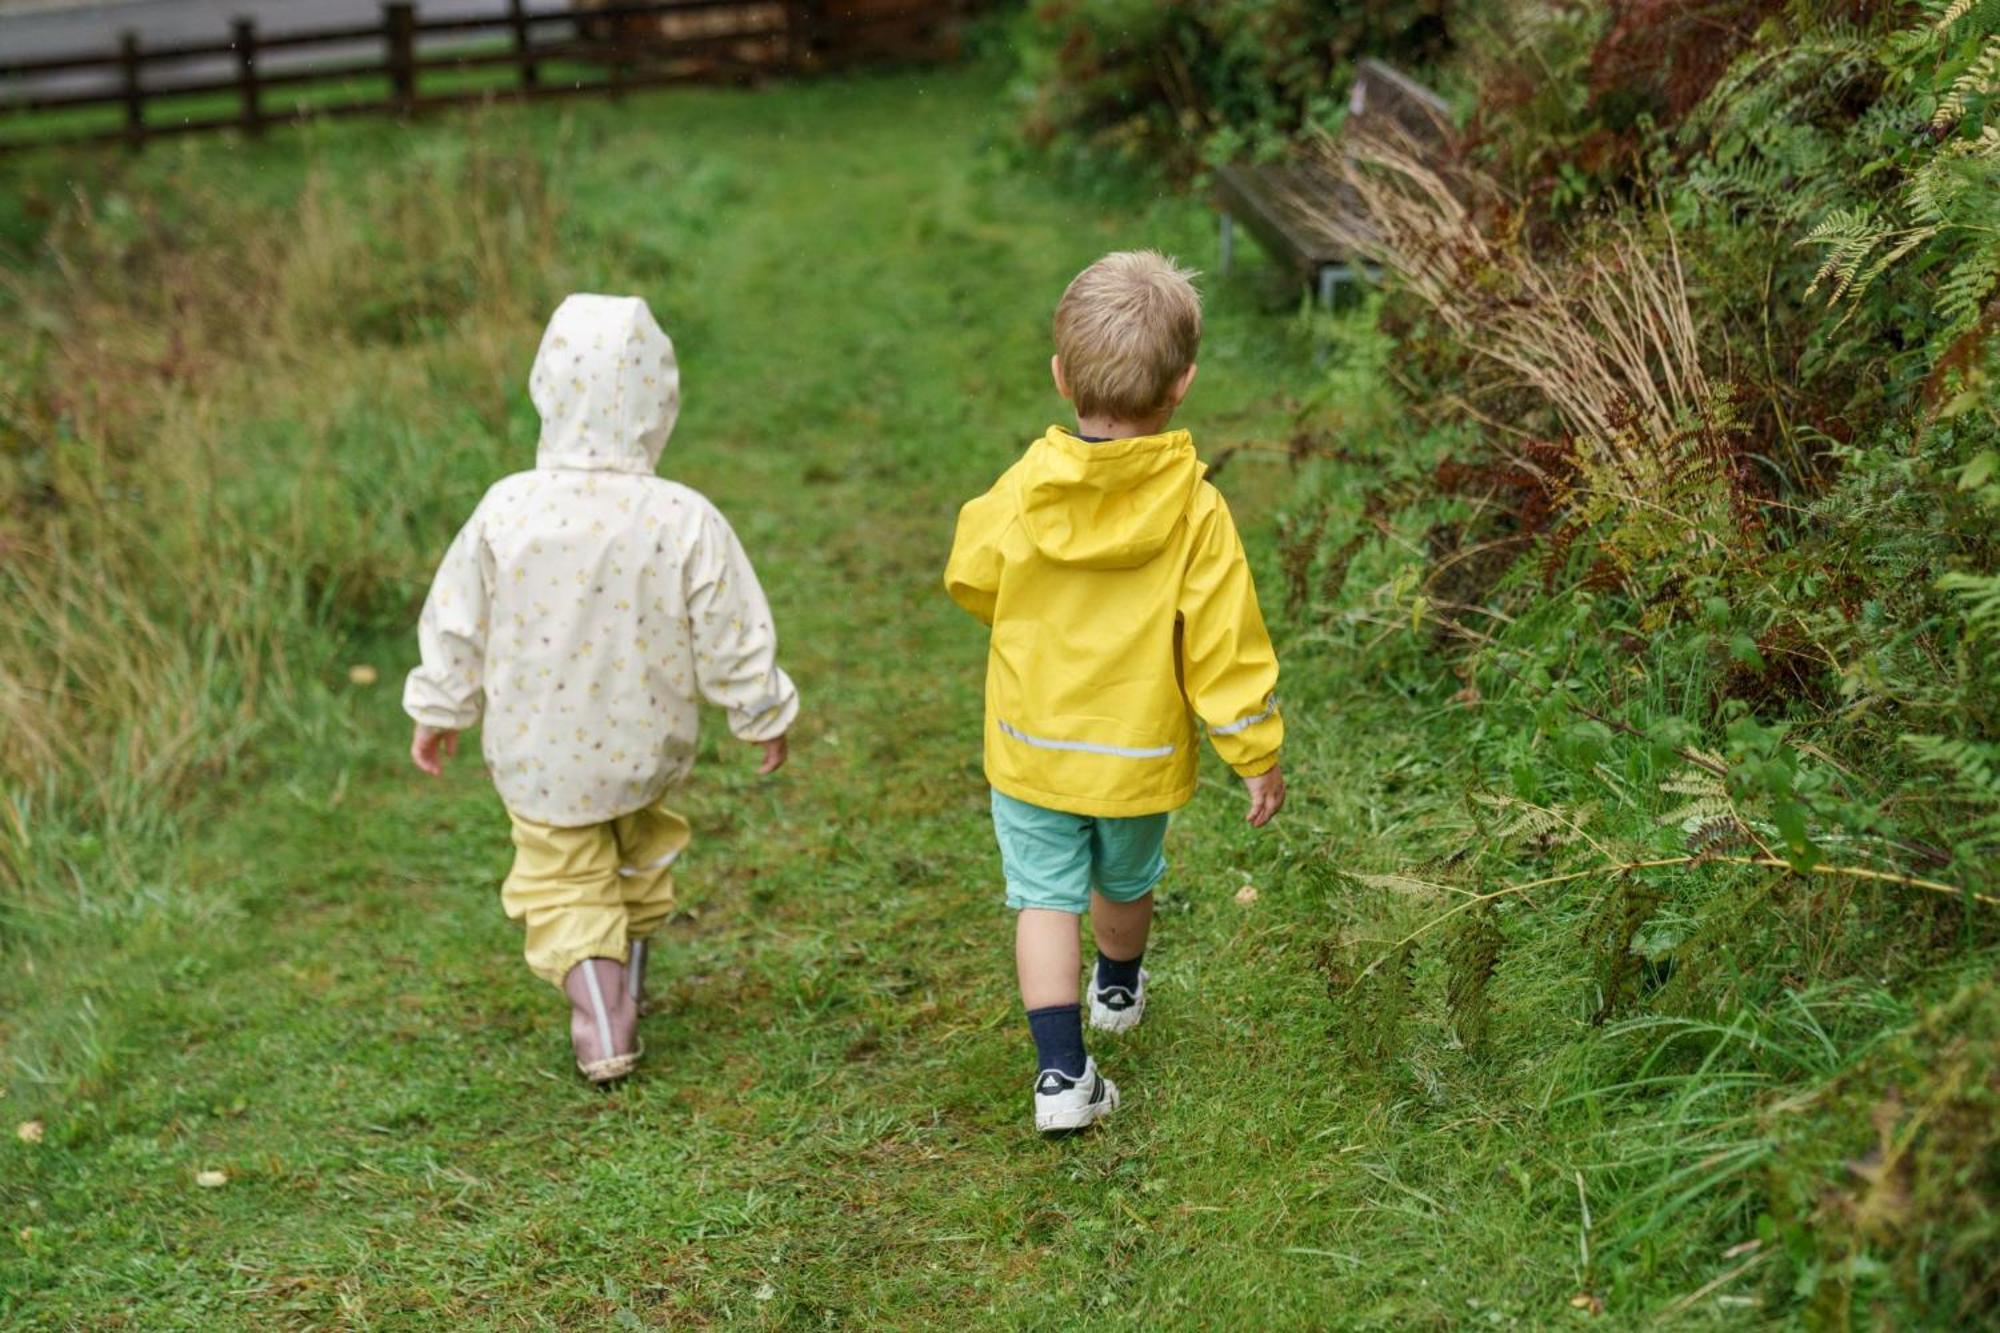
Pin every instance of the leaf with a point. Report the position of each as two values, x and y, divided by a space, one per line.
1979 469
29 1131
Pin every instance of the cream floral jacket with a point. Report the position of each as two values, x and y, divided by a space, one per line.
588 606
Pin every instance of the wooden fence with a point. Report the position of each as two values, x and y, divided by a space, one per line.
603 49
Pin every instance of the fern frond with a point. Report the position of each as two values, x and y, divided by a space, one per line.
1408 884
1980 595
1528 822
1954 14
1971 773
1955 11
1692 781
1978 80
1472 957
1850 235
1701 812
1719 835
1962 296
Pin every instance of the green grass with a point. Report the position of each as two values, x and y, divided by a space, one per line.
304 979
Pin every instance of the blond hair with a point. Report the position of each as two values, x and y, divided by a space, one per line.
1126 329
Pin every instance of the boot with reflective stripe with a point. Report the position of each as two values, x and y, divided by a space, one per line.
603 1021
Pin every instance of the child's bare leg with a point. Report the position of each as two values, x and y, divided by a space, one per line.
1047 957
1121 928
1118 981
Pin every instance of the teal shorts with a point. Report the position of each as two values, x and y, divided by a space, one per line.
1053 860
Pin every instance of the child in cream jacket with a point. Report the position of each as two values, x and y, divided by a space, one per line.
580 616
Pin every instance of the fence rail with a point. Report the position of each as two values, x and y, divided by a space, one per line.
604 50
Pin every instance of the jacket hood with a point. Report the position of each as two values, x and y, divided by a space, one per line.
1106 506
606 384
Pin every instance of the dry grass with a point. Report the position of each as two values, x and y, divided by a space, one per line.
181 520
1606 338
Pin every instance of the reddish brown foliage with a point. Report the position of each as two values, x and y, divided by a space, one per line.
1664 55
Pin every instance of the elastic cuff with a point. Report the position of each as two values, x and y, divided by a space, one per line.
443 719
1257 767
554 968
756 728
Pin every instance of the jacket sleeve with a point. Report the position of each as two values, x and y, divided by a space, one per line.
735 641
1230 669
972 574
447 689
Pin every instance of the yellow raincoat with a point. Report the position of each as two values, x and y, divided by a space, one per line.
1122 611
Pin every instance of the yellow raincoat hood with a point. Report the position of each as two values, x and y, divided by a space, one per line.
1112 505
1123 617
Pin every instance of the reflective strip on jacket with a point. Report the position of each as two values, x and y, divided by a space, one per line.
1125 626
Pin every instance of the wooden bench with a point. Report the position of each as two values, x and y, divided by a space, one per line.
1278 203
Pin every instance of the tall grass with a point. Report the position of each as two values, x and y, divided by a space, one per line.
1605 336
190 530
1724 709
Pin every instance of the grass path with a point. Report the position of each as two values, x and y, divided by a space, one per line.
324 1001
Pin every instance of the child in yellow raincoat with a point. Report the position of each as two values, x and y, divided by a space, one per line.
1123 615
581 614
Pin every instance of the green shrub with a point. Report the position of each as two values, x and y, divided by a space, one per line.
1685 524
1164 87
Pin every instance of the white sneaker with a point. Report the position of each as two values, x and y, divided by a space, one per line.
1115 1009
1063 1103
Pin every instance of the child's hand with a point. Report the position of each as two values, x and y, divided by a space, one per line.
430 747
775 754
1267 796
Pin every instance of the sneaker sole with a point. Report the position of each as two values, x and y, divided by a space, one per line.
1071 1121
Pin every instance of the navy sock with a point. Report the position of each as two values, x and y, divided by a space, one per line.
1058 1032
1112 972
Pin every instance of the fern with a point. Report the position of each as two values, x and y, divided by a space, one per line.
1980 595
1611 930
1978 80
1957 10
1405 884
1955 13
1950 196
1850 236
1971 772
1549 826
1472 958
1394 997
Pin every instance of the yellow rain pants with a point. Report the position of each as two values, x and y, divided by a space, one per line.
588 892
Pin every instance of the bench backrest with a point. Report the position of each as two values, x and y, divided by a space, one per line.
1382 96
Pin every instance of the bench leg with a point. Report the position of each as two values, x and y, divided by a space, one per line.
1330 276
1228 244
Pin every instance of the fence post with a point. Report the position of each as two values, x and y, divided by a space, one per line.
813 29
135 94
796 44
399 25
617 53
245 41
517 16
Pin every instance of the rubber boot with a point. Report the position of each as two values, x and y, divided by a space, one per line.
603 1021
635 976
